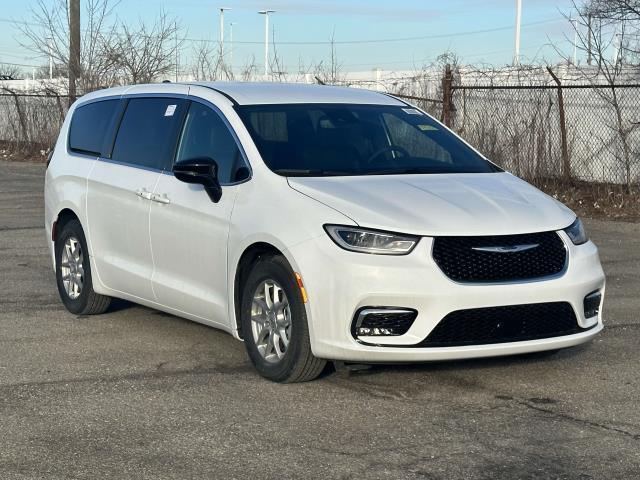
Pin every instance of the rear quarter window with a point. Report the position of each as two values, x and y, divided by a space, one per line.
92 126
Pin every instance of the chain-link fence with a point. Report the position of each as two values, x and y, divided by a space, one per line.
579 132
29 123
589 133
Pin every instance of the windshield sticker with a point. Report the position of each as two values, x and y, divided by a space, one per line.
427 128
412 111
171 109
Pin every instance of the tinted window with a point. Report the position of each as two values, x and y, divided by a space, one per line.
205 134
413 140
148 132
345 139
92 127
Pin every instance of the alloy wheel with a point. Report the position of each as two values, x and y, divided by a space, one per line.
271 320
71 267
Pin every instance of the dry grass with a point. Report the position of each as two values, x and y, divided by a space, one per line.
24 152
595 200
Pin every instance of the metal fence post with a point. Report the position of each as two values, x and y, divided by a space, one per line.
566 164
447 96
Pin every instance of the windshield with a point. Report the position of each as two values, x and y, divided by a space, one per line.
345 139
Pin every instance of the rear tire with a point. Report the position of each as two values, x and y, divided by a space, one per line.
274 324
73 272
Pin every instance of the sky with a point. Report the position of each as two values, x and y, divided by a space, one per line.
383 33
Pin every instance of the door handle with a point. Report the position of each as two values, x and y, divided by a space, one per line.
143 193
160 198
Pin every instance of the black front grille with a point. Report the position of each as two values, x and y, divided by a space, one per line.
512 323
459 259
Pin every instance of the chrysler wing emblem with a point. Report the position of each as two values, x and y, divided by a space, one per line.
507 248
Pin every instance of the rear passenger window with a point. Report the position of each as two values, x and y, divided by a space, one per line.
205 134
148 132
92 126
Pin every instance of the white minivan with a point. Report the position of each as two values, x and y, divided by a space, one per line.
315 223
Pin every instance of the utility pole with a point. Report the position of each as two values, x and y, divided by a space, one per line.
74 48
516 52
266 40
222 9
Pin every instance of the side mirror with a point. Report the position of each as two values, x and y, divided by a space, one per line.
202 171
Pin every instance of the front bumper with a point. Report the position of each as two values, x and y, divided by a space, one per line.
339 283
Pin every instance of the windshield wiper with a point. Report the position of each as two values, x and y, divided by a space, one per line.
401 171
415 170
301 172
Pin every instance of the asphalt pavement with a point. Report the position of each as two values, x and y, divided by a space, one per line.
140 394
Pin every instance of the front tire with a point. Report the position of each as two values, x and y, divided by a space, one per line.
274 324
73 272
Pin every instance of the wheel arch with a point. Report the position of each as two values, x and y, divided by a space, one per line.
64 216
250 255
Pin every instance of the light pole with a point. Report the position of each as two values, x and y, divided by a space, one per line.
266 39
516 52
222 9
49 42
617 48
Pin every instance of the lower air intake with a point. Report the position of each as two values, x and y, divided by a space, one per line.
512 323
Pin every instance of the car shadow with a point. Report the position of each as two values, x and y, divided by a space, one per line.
119 305
565 354
357 370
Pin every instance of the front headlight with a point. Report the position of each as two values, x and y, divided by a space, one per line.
576 233
363 240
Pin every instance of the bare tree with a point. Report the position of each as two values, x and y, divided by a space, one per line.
330 73
617 10
57 71
276 65
9 72
623 15
250 70
112 52
208 64
47 33
143 53
597 43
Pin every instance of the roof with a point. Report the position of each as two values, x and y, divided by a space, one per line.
256 93
259 93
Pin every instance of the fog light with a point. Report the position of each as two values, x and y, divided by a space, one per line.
592 304
382 321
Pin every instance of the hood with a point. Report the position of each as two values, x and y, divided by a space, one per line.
439 204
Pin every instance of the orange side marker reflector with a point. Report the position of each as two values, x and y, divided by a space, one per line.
303 291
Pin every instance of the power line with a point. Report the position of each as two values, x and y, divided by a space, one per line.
349 42
20 56
20 22
387 40
20 64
